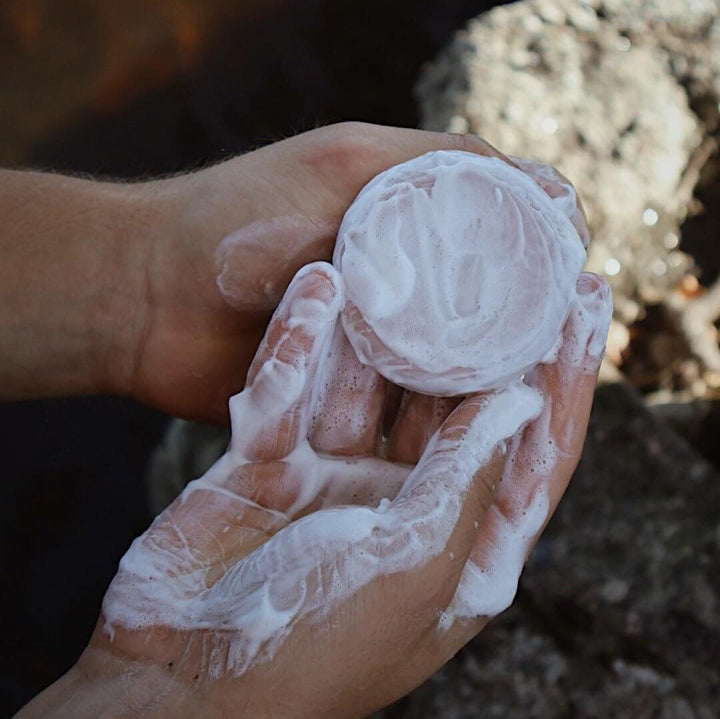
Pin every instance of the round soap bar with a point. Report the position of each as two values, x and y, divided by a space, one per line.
459 271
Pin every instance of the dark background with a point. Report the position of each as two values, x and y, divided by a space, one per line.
142 88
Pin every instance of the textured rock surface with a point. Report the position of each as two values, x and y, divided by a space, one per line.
186 452
617 95
619 608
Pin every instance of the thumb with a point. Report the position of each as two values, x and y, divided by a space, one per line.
271 415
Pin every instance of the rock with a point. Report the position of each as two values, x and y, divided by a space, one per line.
617 95
697 421
187 450
618 612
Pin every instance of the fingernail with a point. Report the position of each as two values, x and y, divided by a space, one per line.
317 281
589 283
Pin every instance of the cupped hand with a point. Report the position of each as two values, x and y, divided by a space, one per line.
321 569
219 246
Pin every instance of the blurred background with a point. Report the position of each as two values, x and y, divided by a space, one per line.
618 613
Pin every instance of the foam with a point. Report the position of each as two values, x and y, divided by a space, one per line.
459 271
274 249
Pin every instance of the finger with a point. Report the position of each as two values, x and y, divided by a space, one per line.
350 403
418 418
561 190
453 484
271 415
541 461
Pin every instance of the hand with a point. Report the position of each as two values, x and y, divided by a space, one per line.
162 290
311 572
218 248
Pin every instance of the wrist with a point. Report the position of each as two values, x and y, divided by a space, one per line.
166 301
66 282
174 342
102 686
122 316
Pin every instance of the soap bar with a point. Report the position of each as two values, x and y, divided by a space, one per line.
459 271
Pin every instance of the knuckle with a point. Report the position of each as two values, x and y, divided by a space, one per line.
351 128
471 143
342 145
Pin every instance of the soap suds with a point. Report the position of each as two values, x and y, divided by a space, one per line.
257 261
459 271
